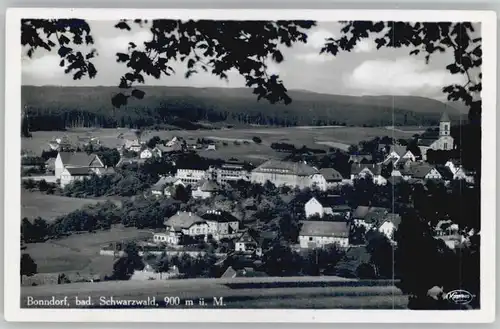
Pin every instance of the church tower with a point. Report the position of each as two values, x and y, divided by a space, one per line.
444 125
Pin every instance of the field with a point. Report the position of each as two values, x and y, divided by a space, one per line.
34 204
313 137
270 292
80 252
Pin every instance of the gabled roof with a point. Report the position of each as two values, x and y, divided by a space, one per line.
445 172
183 220
398 149
359 157
79 171
445 117
394 180
330 174
77 159
219 216
362 211
393 218
208 186
287 167
324 228
421 170
356 168
160 184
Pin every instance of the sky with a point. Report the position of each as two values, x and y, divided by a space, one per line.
364 71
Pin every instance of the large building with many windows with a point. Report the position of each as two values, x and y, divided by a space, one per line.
292 174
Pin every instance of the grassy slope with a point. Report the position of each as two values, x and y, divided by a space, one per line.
80 252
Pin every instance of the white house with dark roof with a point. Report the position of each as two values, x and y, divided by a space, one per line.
163 185
399 153
286 173
389 224
373 171
205 189
146 153
182 223
317 234
368 216
66 160
332 177
330 205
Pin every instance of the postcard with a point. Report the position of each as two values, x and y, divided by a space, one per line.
250 165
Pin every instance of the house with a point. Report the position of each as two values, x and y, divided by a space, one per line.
398 153
76 160
132 145
205 189
191 176
211 147
71 174
329 205
373 171
425 172
332 177
163 183
441 142
103 171
286 173
389 224
369 216
459 173
449 232
317 234
146 153
221 224
232 172
161 150
251 242
445 173
180 225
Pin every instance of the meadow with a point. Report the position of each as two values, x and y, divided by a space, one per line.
36 204
310 136
80 252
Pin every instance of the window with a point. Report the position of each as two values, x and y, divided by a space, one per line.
310 238
445 127
445 146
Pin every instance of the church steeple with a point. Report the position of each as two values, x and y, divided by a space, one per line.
444 125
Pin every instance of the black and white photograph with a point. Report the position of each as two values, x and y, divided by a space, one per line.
257 160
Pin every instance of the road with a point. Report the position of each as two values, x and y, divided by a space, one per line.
300 292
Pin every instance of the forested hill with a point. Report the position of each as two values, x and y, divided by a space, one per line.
54 107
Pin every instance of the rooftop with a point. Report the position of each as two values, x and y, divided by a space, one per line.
293 168
324 228
77 159
330 174
183 220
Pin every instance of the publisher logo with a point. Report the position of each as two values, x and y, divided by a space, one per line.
461 297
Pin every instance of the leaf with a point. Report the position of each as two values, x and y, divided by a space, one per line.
119 100
122 26
121 57
78 75
190 63
139 94
132 45
61 63
91 70
63 40
89 40
453 68
477 51
63 51
415 52
278 56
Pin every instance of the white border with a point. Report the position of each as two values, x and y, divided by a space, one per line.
13 312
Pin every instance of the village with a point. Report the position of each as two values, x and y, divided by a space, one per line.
206 222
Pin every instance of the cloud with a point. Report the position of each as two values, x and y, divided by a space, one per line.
44 67
317 39
314 57
364 46
402 76
109 46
